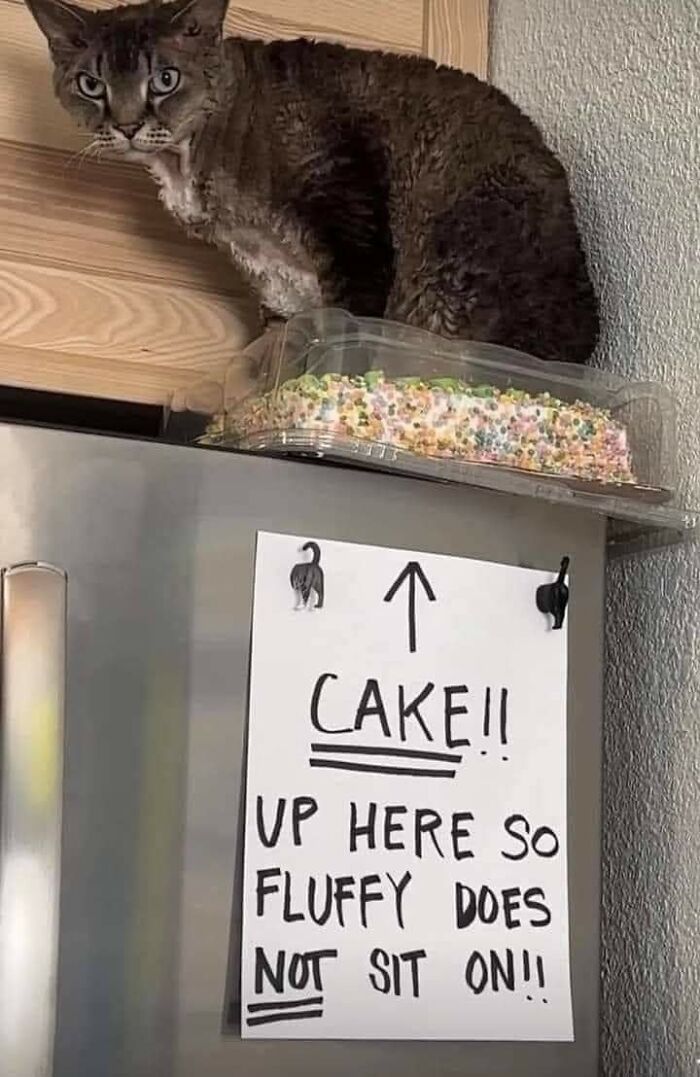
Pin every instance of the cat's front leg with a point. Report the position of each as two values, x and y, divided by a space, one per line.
284 279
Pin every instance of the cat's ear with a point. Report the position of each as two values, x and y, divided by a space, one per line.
189 17
64 25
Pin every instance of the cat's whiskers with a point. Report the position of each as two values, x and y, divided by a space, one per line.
94 150
77 159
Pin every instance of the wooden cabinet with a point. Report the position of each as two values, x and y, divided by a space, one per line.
100 293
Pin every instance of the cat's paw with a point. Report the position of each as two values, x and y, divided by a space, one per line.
270 319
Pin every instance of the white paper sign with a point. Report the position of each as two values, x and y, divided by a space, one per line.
405 856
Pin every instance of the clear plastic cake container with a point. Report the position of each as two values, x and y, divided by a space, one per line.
377 393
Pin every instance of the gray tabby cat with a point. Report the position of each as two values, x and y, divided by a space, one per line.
332 176
307 578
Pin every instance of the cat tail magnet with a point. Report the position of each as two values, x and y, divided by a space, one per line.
553 598
307 579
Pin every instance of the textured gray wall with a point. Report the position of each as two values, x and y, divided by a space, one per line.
615 86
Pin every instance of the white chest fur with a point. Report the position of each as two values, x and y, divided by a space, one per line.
177 189
270 257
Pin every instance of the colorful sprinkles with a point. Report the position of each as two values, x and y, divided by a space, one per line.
445 417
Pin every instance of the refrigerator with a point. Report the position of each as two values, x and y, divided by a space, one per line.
127 589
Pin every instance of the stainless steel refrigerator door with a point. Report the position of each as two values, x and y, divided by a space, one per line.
158 544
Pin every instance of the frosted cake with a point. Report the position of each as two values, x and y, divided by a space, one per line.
447 418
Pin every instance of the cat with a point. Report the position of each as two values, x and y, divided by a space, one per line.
378 183
307 577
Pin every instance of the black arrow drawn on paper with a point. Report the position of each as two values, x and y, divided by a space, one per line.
411 572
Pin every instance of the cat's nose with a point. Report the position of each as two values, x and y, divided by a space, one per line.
128 129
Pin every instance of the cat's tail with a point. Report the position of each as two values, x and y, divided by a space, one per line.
315 551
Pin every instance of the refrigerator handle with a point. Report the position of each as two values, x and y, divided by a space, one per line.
32 695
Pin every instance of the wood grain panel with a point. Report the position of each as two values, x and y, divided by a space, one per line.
102 217
82 375
376 35
456 33
29 112
86 314
93 269
396 23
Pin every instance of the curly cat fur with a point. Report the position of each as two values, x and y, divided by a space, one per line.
332 176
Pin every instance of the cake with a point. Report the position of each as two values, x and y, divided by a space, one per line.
447 418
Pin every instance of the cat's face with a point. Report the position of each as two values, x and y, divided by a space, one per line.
140 78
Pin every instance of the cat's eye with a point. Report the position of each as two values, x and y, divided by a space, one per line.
165 81
90 86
